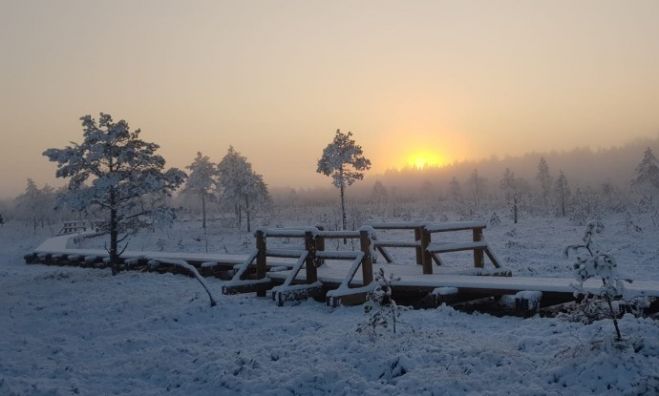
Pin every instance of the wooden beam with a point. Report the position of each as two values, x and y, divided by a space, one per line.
426 257
260 260
478 253
310 264
419 252
367 261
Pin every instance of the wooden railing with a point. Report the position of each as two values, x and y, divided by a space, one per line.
313 255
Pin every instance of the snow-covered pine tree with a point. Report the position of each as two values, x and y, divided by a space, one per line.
380 197
477 186
545 181
511 188
455 196
646 181
36 205
586 206
201 181
562 193
240 186
113 169
343 160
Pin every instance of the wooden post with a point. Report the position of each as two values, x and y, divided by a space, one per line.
417 238
310 263
320 246
367 264
478 253
260 260
426 256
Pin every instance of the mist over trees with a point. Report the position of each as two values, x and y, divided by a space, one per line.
576 185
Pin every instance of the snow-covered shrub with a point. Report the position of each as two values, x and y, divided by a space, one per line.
381 309
586 207
591 262
630 224
495 219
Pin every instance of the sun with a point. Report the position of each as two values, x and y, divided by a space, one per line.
424 159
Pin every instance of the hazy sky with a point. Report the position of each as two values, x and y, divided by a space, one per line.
458 80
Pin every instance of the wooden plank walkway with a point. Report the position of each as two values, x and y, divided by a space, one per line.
411 277
59 246
333 269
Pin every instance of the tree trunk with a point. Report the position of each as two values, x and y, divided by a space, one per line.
114 235
343 209
563 205
247 214
515 210
203 210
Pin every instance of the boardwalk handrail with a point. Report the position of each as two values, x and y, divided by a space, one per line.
455 226
478 245
382 245
396 226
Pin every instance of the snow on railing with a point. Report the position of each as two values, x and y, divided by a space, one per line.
455 226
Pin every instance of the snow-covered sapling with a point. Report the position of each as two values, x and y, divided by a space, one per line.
117 172
380 308
591 262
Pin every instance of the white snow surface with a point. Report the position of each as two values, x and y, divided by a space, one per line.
67 330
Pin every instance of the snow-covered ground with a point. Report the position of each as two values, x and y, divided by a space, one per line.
82 331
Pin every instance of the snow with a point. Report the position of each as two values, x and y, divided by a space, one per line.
69 330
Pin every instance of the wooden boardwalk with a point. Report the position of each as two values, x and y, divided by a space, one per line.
346 276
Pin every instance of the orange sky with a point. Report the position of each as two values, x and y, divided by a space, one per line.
456 80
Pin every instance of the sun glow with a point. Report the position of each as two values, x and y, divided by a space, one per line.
424 159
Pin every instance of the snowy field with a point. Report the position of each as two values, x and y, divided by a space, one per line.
82 331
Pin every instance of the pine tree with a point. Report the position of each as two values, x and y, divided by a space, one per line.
201 181
562 192
455 191
477 186
380 196
646 178
544 179
512 191
113 169
343 160
36 204
240 186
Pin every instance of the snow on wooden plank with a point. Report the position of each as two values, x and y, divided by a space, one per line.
334 272
396 226
285 253
445 247
455 226
397 244
337 234
337 255
288 232
58 246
